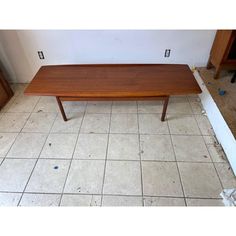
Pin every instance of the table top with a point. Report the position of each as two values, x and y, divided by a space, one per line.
113 80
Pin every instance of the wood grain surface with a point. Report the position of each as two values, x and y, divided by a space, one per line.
113 80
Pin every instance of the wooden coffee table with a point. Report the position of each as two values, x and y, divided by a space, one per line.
113 82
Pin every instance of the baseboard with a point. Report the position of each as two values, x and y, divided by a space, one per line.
221 129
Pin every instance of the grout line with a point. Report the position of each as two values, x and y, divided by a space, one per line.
35 161
100 159
30 115
54 123
181 183
118 195
33 112
140 158
105 165
114 113
71 159
5 157
181 134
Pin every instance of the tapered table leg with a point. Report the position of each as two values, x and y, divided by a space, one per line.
61 109
164 108
233 78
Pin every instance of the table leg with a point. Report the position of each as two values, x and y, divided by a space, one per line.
217 72
164 108
61 109
209 65
233 78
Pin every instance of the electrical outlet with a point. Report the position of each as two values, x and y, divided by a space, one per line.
41 56
167 53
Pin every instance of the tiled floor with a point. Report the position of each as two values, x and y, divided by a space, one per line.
109 154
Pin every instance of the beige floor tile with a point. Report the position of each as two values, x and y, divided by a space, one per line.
80 200
156 147
59 146
95 123
210 140
72 125
122 177
85 176
48 176
9 199
217 153
163 201
196 105
13 122
40 122
40 200
183 124
200 180
204 125
74 106
121 201
197 108
47 104
14 174
124 123
123 146
152 124
122 180
124 107
190 148
23 104
99 107
91 146
8 105
150 106
27 145
215 149
226 174
6 141
182 98
192 96
161 179
204 202
179 105
18 92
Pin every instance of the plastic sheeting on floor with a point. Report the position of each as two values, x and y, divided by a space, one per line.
229 197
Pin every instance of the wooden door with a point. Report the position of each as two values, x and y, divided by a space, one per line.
5 91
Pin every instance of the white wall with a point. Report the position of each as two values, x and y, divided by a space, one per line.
13 57
104 46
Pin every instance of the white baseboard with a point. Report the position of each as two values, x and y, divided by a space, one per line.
221 129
